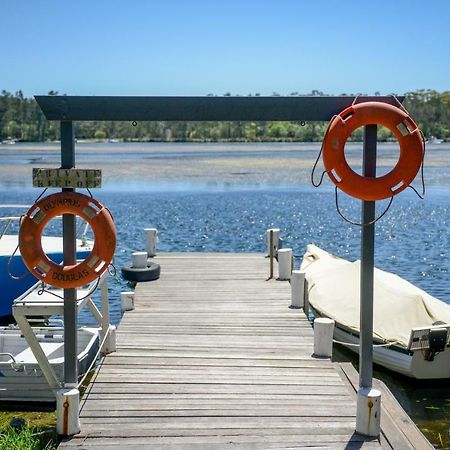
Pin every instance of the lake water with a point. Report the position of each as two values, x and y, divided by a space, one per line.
217 197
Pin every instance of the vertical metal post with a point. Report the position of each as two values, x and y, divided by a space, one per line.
105 303
367 263
69 246
271 254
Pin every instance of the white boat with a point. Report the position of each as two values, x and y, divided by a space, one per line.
433 140
32 358
22 379
411 330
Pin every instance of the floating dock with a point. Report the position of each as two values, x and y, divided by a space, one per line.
212 357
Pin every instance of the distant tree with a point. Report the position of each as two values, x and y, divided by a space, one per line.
99 134
278 130
22 119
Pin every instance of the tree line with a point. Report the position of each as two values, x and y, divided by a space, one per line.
22 120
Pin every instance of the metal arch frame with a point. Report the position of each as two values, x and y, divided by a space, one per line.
211 108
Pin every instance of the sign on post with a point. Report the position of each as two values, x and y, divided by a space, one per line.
67 178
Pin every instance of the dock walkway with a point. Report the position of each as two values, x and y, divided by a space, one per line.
211 358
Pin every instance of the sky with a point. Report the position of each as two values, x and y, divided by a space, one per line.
174 47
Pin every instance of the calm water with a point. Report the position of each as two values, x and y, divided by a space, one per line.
412 240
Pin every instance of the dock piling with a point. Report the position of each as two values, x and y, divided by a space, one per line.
127 301
369 411
284 263
273 242
323 337
110 345
150 239
297 289
139 260
67 412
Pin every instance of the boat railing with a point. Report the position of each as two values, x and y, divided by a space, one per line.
9 220
14 362
18 366
434 338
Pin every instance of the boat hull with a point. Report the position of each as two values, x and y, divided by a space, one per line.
13 288
410 364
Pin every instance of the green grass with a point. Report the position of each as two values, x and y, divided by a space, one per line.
25 439
38 434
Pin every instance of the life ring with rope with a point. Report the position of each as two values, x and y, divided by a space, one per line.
71 276
373 113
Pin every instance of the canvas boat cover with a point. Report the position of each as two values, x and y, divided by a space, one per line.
399 306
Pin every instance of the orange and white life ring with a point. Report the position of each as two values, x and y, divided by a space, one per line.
373 113
33 224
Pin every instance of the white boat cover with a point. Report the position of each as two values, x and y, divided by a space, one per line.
399 306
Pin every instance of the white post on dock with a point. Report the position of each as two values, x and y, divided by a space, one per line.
139 260
110 341
150 239
323 337
368 407
127 301
284 263
297 289
67 409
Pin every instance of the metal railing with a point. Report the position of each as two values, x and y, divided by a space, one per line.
22 309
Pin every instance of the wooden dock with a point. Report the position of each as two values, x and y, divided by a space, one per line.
212 357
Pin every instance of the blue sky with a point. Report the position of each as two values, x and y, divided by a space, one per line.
109 47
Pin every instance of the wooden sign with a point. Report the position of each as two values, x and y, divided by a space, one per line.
67 178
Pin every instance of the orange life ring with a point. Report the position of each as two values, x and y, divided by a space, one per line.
33 224
373 113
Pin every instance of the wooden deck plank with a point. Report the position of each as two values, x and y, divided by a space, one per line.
214 388
213 358
168 361
250 442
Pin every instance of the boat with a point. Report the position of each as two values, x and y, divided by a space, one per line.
32 357
411 329
433 140
11 263
21 377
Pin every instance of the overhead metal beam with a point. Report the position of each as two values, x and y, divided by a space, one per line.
80 108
